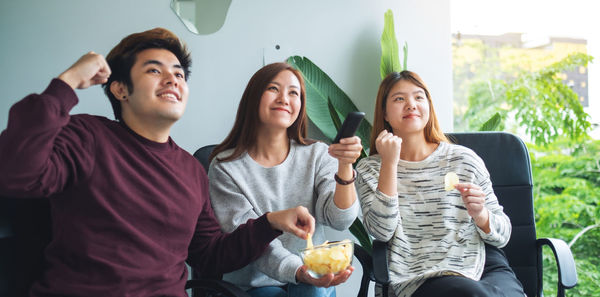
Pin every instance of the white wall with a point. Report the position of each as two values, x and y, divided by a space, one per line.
39 39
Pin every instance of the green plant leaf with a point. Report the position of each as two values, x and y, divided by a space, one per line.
390 59
405 51
358 230
492 124
322 94
334 115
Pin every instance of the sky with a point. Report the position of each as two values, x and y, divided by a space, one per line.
564 18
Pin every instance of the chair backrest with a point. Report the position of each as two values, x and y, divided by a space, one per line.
202 155
507 159
25 230
7 249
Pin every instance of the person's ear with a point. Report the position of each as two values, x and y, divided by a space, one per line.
119 90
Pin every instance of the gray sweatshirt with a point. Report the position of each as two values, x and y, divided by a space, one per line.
243 189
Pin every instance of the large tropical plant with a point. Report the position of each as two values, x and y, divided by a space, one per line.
327 104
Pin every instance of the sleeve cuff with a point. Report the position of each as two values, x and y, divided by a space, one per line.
346 211
265 233
341 219
493 235
60 89
385 197
290 267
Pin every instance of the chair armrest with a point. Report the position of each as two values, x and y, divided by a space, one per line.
380 262
375 267
567 272
367 266
225 288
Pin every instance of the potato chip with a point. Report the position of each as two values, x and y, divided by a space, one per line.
450 181
309 243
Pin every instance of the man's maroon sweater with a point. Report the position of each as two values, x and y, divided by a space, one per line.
127 212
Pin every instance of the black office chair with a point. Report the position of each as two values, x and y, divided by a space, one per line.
507 159
25 230
202 155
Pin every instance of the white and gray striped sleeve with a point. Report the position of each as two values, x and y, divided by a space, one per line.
380 211
500 225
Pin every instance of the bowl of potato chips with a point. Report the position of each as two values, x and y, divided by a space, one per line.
329 257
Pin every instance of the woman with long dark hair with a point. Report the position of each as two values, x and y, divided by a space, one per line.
266 163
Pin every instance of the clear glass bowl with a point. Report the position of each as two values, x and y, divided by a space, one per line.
332 257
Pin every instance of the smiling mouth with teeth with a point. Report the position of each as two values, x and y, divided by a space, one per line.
169 96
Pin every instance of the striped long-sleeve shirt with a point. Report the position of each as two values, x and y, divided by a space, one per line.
428 230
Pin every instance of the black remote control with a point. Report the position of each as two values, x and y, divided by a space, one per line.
349 126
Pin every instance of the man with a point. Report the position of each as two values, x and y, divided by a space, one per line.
128 205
